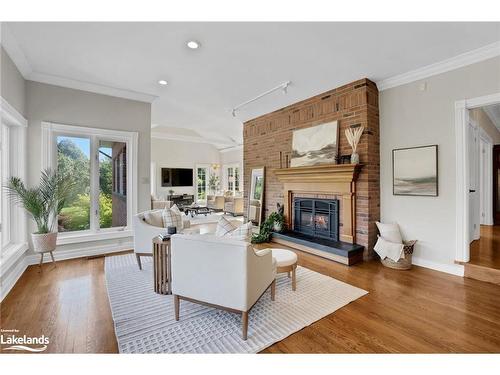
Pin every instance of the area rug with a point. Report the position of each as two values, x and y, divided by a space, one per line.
144 321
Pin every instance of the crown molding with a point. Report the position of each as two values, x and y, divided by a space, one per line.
15 52
90 87
187 138
484 53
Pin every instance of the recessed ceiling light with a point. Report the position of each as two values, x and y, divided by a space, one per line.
193 44
162 82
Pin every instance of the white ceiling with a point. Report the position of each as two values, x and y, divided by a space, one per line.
236 61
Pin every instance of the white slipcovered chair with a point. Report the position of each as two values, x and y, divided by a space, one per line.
220 272
144 233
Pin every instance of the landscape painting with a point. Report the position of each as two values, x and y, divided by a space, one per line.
315 145
415 171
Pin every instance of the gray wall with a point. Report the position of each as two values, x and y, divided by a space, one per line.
75 107
410 117
12 84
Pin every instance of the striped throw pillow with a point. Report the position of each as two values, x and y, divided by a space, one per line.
172 218
224 226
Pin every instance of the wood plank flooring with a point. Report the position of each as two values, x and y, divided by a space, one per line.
485 252
420 311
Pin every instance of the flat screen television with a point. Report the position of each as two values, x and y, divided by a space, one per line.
176 177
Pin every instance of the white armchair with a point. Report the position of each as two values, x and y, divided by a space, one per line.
221 273
144 233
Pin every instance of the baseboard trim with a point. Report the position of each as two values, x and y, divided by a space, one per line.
11 277
453 269
80 253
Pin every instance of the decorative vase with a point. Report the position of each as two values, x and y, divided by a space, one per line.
44 243
277 226
354 158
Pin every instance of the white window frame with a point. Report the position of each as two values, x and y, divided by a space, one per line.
50 132
207 171
13 164
225 169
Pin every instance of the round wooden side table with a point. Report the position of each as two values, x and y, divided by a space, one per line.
162 270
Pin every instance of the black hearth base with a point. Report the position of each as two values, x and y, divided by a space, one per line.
338 251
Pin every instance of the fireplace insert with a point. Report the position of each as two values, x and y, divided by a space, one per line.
316 217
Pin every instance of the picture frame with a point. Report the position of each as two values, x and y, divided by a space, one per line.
315 145
415 171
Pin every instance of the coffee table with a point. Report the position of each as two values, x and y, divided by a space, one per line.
196 210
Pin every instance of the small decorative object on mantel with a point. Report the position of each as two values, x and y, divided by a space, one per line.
345 159
353 136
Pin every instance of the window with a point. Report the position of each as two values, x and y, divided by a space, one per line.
103 166
201 183
232 178
13 232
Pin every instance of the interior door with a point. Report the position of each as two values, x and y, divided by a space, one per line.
473 159
496 184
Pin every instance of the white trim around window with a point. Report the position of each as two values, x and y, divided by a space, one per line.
225 173
49 159
13 164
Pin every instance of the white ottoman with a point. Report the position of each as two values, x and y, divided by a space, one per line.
286 261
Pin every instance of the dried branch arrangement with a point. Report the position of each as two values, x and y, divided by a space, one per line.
353 136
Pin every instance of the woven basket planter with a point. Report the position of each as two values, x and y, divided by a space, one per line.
44 243
404 263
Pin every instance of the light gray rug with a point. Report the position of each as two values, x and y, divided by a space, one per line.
145 323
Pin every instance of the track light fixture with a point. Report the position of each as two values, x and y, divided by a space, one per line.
283 87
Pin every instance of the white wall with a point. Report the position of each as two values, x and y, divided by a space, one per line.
177 154
12 84
410 117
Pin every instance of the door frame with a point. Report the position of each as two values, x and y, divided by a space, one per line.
486 177
495 183
462 107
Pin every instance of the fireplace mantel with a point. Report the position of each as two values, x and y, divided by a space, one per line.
335 179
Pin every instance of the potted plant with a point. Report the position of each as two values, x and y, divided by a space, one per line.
44 203
213 184
274 223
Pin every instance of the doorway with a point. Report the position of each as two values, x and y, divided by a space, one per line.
474 188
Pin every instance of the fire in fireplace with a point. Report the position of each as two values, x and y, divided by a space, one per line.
316 217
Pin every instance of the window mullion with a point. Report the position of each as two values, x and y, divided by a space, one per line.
94 184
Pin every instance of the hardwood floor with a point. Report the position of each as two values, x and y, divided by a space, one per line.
420 311
486 251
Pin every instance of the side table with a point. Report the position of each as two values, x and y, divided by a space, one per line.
162 270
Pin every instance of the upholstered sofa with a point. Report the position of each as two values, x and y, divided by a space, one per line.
144 233
215 202
220 272
233 205
157 203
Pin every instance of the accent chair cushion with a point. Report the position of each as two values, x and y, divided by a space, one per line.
390 232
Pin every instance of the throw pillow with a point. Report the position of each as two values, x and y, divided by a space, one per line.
176 209
242 233
390 232
172 218
224 226
386 249
154 218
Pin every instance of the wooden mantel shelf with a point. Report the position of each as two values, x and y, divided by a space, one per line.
336 179
320 173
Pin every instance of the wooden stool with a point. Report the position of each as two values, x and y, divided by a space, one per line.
162 270
286 261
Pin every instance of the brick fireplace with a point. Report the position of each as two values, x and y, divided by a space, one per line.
356 189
